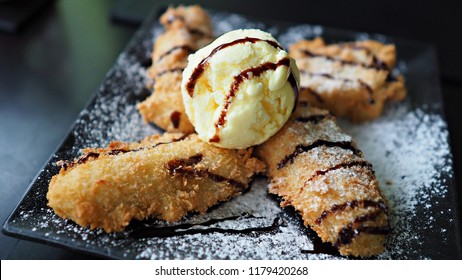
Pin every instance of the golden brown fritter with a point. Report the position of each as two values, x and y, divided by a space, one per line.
164 176
349 79
187 29
318 170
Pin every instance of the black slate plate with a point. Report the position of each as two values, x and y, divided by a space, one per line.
252 226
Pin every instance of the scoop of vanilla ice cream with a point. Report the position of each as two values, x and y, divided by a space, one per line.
240 90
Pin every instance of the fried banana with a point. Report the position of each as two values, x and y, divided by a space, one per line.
187 29
317 169
164 176
349 79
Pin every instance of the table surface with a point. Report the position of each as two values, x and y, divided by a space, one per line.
51 67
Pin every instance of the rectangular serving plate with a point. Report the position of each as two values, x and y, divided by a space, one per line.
251 226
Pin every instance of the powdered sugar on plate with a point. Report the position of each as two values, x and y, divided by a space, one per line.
407 146
300 32
409 151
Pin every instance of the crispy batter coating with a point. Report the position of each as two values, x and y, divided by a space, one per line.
187 29
318 170
164 176
349 79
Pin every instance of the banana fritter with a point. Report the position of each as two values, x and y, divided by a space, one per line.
349 79
318 170
162 176
187 29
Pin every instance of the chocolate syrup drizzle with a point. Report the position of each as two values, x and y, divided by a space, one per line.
175 166
375 63
66 164
187 229
170 51
176 69
347 145
369 90
198 32
379 63
194 31
295 88
320 247
86 157
355 228
329 76
115 152
313 118
200 68
314 93
239 79
360 163
352 204
175 118
348 233
375 60
178 167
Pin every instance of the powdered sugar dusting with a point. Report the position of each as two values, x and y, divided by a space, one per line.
299 32
224 22
407 146
411 157
114 115
413 152
274 237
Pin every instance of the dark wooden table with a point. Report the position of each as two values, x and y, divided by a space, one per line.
50 68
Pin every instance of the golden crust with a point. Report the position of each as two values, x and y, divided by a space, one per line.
187 29
318 170
162 176
192 17
349 79
165 105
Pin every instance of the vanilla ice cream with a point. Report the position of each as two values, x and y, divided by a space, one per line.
240 90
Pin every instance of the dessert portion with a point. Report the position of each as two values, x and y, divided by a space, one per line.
349 79
186 30
164 176
240 90
317 169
